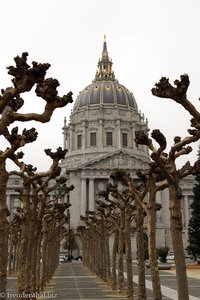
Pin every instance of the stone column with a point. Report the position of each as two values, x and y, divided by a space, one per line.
91 195
186 212
71 144
83 196
83 138
118 133
100 135
158 213
133 137
8 200
186 219
65 134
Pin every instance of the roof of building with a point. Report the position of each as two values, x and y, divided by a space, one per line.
105 89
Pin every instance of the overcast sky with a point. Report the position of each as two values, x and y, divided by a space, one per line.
146 40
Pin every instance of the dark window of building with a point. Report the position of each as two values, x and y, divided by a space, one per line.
79 141
124 139
93 141
109 140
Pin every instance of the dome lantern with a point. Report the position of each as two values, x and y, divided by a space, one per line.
104 71
105 90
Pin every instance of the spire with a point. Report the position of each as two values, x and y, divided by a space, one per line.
104 44
104 71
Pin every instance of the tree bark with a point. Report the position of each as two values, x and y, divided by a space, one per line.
3 228
10 257
151 217
121 256
33 246
128 252
140 252
114 260
177 241
107 249
24 238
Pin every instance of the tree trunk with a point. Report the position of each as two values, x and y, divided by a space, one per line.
95 247
120 261
3 228
32 247
44 259
103 238
128 253
140 252
177 241
107 249
95 243
14 266
24 238
17 255
38 263
114 260
34 261
153 257
151 216
39 235
101 254
10 257
28 271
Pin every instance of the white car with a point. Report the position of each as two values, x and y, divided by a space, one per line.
62 258
170 256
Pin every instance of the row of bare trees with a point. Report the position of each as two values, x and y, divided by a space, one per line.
120 207
38 224
38 227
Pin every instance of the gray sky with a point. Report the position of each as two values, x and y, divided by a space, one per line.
145 39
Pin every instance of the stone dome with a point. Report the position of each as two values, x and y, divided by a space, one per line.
105 90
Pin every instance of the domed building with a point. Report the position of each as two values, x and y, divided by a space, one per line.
100 137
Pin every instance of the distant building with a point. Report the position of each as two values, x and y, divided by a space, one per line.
13 200
100 137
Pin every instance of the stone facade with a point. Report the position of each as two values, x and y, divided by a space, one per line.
99 138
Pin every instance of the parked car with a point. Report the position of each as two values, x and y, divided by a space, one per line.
170 256
62 258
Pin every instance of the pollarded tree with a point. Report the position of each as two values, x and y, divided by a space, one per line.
121 214
151 183
193 226
33 183
24 79
15 227
166 163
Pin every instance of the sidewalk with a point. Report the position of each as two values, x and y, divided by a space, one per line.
72 281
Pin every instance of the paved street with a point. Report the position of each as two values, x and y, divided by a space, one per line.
168 283
73 281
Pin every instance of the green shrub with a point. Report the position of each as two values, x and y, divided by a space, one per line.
162 253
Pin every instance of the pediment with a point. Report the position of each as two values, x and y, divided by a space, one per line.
119 159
